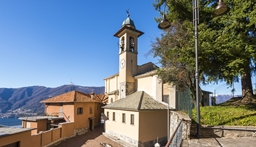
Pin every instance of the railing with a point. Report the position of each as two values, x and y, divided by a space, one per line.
176 137
60 114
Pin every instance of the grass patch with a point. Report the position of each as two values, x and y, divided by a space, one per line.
228 114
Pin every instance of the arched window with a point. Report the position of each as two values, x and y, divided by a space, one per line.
122 44
132 44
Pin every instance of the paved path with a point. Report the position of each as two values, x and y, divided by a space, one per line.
221 142
89 139
208 139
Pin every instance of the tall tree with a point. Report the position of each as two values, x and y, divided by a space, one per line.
227 44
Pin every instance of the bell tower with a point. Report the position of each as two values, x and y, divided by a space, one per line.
128 51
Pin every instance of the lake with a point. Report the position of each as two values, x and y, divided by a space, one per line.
10 121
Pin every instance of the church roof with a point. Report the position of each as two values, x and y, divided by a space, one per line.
72 96
118 33
117 74
139 100
128 22
150 73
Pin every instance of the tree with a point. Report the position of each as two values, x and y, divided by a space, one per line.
227 44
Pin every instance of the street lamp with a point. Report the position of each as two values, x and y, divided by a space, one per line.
221 9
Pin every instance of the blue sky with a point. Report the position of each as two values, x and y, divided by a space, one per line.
56 42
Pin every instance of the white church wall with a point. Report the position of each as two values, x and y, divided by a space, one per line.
146 84
157 88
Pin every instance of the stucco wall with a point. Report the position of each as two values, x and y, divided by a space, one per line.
46 137
55 109
152 124
126 131
170 90
67 129
81 120
111 84
151 85
23 138
56 134
52 109
35 140
145 84
42 125
68 110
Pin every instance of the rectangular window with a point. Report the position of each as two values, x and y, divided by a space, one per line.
114 116
165 98
123 117
79 110
107 115
90 110
132 119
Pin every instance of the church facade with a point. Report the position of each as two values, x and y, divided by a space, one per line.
137 99
133 77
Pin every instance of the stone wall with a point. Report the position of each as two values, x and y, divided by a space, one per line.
175 118
123 137
230 131
80 131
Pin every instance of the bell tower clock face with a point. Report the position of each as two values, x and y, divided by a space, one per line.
122 63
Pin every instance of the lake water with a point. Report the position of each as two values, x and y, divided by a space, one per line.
10 122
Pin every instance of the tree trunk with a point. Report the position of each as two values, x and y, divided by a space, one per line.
246 82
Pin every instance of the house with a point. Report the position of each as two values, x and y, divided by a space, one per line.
137 119
137 99
205 98
84 110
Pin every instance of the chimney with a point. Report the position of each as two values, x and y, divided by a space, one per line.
92 95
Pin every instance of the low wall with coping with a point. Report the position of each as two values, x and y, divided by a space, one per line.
230 131
46 137
56 134
36 140
67 129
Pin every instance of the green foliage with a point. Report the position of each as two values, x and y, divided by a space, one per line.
227 115
227 44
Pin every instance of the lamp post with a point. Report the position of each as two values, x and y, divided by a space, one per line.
221 9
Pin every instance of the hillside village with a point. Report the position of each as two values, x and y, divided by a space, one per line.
136 107
133 97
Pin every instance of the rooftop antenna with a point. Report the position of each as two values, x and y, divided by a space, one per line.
71 85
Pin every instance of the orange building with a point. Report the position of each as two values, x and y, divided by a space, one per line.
84 110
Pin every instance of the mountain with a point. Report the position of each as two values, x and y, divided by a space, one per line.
224 98
26 100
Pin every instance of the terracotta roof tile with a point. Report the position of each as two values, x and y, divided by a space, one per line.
72 96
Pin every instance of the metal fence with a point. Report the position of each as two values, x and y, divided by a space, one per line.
184 102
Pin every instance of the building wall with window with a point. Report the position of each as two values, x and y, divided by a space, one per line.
128 130
85 111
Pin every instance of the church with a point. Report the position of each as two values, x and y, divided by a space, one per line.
138 102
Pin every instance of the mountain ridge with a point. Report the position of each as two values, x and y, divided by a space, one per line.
26 100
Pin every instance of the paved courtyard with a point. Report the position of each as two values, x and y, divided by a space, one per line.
89 139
